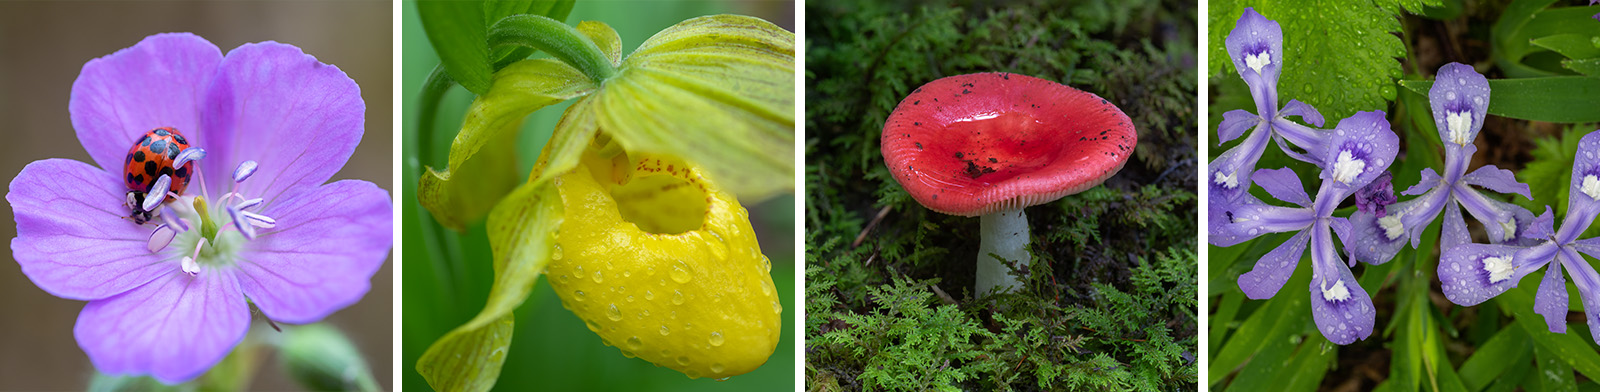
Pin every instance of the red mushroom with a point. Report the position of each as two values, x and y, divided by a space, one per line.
990 144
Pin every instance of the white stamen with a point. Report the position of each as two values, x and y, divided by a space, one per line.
1229 181
1392 226
1337 293
258 220
1499 268
1591 186
1258 60
244 171
248 203
188 155
1346 168
1459 123
158 193
160 238
189 264
1509 228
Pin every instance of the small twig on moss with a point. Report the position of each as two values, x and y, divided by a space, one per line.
942 295
874 223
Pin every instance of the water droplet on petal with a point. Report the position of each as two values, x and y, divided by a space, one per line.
717 367
680 272
677 297
634 343
716 339
578 296
613 313
664 330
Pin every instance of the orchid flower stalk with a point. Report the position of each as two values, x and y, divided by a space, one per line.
1361 150
1460 99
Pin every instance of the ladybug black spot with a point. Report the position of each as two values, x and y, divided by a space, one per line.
138 179
167 171
150 168
138 156
158 147
172 152
179 139
162 132
145 141
183 172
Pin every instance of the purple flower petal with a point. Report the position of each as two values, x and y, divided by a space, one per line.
158 82
1551 299
1542 227
1429 181
1498 180
1234 123
1248 218
1314 141
1453 231
1310 156
1274 268
1588 282
1305 111
1256 47
297 118
1460 98
322 256
1499 219
1282 184
1583 200
1340 306
73 238
173 328
1472 273
1230 172
1362 148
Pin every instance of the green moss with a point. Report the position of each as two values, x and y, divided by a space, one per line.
1110 300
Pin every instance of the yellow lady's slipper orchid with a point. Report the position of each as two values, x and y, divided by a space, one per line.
664 265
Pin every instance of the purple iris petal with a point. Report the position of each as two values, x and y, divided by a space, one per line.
1429 181
1460 98
1551 299
1499 218
1543 227
1588 283
1234 123
1230 172
1305 111
1256 47
58 203
1361 149
1314 141
1341 308
1282 184
1453 231
173 328
1498 180
1248 218
1472 273
301 276
1274 268
1583 200
266 102
158 83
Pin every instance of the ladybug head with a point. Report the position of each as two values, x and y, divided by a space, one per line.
136 204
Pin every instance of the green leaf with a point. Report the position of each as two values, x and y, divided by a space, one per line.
1574 46
321 358
1549 173
1555 375
1569 347
495 10
1339 56
1285 314
1587 67
482 165
457 30
1308 366
1561 99
1510 345
718 90
522 230
1524 21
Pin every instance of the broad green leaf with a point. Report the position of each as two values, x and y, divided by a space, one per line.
1227 309
1574 46
457 30
473 182
1554 374
1306 369
1587 67
494 10
1339 56
522 230
1285 314
717 90
1524 21
1486 365
1570 347
1267 361
1561 99
1549 173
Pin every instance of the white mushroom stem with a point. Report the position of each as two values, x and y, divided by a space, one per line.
1005 234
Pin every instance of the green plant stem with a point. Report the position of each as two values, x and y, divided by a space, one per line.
434 237
556 38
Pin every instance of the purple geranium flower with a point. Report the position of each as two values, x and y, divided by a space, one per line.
1473 273
256 224
1256 47
1361 149
1460 98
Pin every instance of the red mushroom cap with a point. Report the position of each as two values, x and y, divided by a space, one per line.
974 144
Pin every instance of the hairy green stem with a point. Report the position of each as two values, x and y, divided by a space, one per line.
556 38
435 240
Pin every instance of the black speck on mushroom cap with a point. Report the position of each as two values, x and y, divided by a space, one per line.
1001 141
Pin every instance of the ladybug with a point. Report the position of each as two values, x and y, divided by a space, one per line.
149 158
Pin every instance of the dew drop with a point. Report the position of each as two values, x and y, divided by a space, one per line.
649 295
628 354
613 313
777 308
592 326
1461 81
578 295
634 343
644 313
597 277
555 252
677 297
665 330
680 272
627 274
564 279
717 367
683 360
716 339
630 298
766 263
692 373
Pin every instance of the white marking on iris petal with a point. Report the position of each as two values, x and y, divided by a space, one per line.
1258 60
1499 268
1336 293
1228 181
1591 186
1392 226
1509 228
1346 168
1459 123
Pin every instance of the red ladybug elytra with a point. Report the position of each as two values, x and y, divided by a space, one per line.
154 155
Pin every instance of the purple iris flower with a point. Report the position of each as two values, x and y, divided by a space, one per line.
256 225
1460 97
1256 47
1473 273
1361 149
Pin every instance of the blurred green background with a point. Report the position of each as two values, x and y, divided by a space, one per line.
551 349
